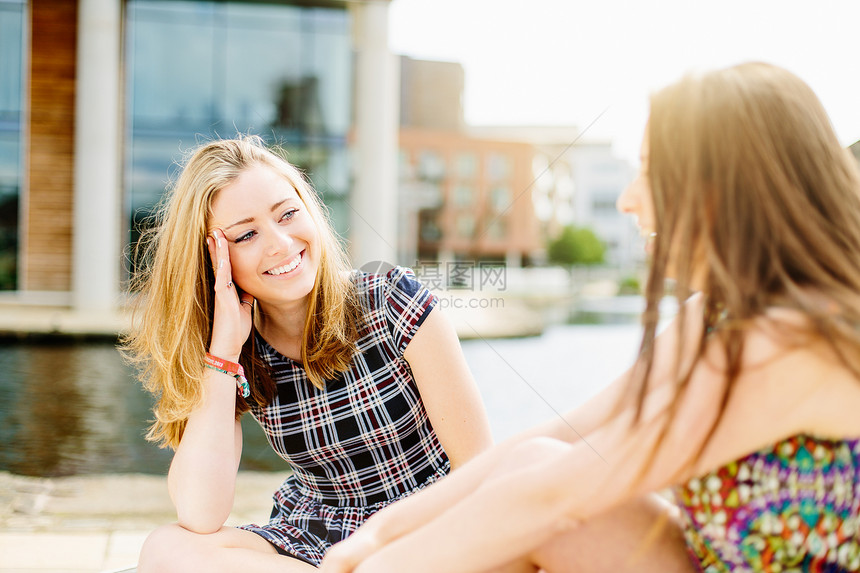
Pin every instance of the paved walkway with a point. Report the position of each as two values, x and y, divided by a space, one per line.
30 320
98 523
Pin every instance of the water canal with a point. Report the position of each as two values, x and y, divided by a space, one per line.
70 408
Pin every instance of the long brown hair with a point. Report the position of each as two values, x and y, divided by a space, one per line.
174 310
756 204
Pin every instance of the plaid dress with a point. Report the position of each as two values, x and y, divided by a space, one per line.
363 442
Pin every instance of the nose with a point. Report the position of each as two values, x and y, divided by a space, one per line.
279 241
627 201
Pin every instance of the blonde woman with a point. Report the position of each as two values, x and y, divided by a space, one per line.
357 379
745 408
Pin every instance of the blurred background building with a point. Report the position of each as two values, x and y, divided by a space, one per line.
499 193
100 100
461 197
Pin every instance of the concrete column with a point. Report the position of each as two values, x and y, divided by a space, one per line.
373 219
98 193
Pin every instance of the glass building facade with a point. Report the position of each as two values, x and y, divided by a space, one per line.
12 54
198 70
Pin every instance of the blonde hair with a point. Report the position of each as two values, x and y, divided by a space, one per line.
747 175
173 315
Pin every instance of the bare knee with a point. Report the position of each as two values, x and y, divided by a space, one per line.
168 549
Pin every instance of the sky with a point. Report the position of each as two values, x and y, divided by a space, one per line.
595 62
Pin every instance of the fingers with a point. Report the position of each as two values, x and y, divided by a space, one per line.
232 307
245 299
216 248
334 563
220 255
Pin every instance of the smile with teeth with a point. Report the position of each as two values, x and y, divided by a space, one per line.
286 268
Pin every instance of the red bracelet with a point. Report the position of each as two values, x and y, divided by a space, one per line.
232 369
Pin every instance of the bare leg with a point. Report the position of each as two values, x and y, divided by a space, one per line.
174 549
640 536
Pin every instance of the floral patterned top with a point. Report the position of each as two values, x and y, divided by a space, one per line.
793 506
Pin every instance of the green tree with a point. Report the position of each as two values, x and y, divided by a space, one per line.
577 246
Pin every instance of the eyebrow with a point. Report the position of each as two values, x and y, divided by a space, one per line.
249 219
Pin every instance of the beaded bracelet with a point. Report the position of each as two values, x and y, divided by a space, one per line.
231 369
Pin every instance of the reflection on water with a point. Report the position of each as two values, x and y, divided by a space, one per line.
77 408
63 411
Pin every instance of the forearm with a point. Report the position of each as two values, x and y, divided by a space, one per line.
511 513
408 514
415 511
202 475
542 485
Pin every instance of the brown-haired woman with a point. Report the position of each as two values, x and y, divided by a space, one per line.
248 305
746 407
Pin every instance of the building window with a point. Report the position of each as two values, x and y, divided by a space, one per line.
500 198
199 70
498 167
466 166
431 166
605 206
464 195
12 54
428 225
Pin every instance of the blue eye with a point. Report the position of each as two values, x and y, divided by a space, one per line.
244 237
289 214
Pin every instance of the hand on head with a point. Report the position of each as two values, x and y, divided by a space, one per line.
231 323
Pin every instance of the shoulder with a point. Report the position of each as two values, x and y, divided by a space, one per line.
397 281
396 302
790 381
798 361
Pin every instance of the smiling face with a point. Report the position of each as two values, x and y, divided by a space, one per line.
273 240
